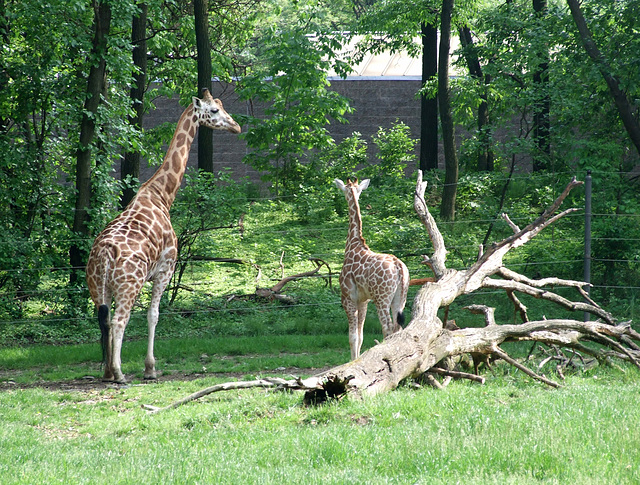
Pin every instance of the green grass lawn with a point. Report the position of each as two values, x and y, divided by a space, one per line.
510 430
60 424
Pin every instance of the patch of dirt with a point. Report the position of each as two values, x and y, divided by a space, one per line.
90 383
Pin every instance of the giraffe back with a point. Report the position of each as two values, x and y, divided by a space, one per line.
372 273
129 251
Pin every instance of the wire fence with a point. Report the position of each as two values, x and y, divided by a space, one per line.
629 289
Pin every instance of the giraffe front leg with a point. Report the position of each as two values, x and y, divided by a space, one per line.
352 316
159 286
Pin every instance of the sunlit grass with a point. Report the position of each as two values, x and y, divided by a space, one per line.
250 355
508 431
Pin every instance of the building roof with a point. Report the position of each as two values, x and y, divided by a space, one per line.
388 65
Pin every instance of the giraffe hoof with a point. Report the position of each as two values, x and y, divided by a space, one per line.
119 379
150 374
120 382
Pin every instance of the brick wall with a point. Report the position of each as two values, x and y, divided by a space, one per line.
377 103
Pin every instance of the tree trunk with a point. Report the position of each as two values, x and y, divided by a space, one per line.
619 97
429 106
448 206
4 42
130 165
542 107
205 135
95 84
485 154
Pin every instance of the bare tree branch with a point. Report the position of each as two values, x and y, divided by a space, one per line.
267 382
504 356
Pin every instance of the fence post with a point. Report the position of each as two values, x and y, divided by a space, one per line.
587 235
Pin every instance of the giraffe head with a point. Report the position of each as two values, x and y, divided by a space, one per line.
210 113
352 187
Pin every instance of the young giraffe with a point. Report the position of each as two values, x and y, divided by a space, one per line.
140 245
367 275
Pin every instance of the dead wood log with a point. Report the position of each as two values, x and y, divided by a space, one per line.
457 374
266 382
425 342
218 260
274 293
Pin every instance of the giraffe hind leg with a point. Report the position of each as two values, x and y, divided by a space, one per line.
119 322
386 322
105 341
362 315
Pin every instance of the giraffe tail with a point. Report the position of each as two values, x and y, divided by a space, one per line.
401 319
103 322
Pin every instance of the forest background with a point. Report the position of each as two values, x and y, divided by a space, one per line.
77 78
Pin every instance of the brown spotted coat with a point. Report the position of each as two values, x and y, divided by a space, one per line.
367 276
140 245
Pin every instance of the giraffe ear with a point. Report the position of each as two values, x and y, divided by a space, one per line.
197 102
340 184
364 184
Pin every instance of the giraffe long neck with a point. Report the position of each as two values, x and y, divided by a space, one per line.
354 238
163 185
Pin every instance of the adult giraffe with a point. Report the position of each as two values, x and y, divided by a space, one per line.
140 245
367 276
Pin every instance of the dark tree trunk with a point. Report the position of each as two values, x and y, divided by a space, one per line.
619 97
130 165
429 106
541 108
205 135
4 41
485 154
448 206
95 84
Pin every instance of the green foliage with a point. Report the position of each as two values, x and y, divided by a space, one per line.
395 152
394 155
39 86
293 81
42 81
43 75
317 199
206 203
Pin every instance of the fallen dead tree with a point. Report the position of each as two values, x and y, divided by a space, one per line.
426 341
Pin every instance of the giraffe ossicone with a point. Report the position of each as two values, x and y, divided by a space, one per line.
367 276
140 244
